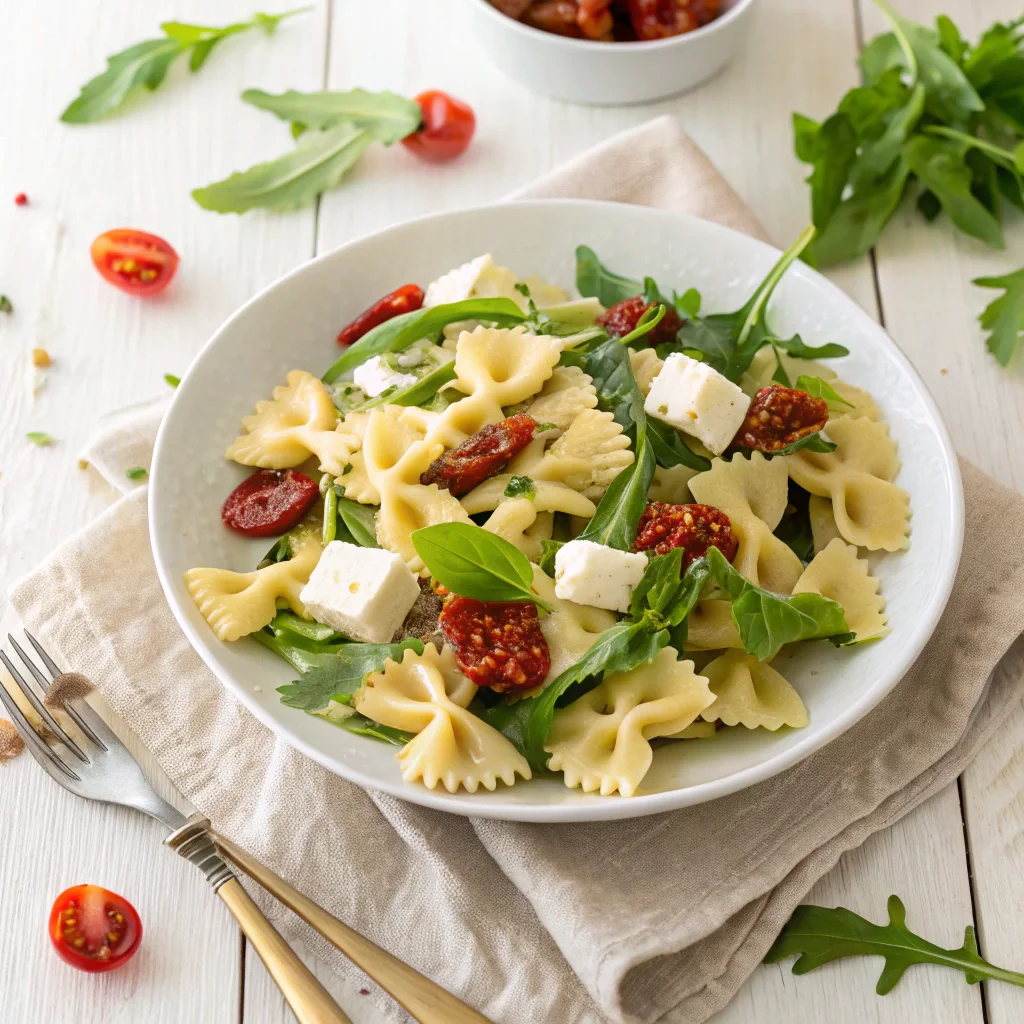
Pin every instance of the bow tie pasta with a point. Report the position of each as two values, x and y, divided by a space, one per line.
751 693
567 393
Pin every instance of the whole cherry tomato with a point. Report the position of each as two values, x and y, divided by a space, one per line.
94 929
447 128
135 261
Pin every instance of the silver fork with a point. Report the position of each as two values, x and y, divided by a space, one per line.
103 769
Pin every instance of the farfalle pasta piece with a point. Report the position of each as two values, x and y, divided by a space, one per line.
299 421
589 455
838 574
646 366
549 496
823 522
672 485
355 480
427 695
709 627
236 604
395 454
870 511
518 521
751 693
753 492
601 742
567 393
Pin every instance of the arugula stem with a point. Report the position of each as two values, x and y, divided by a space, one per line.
895 20
764 293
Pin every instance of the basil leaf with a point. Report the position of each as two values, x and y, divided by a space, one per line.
940 166
658 585
400 332
359 520
615 522
521 487
549 550
473 563
387 116
595 281
818 388
319 161
728 341
765 621
1004 317
528 722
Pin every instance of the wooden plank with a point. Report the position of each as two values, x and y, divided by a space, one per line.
925 274
111 350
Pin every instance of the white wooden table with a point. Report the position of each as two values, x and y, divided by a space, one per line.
954 861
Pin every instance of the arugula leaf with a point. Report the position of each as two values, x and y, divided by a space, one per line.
818 388
362 726
339 677
796 348
594 280
820 935
319 161
618 513
145 65
400 332
832 155
766 621
812 442
549 550
1004 317
360 521
795 527
940 166
688 304
521 487
473 563
387 116
728 341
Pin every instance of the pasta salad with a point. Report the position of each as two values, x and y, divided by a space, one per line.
516 532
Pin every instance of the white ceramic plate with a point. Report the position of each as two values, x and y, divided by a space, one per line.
293 324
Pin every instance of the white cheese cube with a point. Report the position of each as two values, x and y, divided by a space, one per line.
589 573
364 593
375 376
457 284
698 400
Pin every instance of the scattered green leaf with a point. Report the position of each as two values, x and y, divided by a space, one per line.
521 487
595 280
360 521
6 305
39 438
171 380
818 388
1003 318
136 473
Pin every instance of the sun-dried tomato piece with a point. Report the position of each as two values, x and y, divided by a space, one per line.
268 502
595 20
695 528
485 453
558 16
513 8
659 19
778 417
620 319
406 299
496 645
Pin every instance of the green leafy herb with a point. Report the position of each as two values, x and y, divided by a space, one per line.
595 280
765 621
360 521
400 332
368 727
6 305
794 528
300 648
649 319
136 473
474 563
280 552
818 388
729 341
319 161
820 935
171 380
387 116
40 438
145 65
549 551
289 622
688 304
413 394
812 443
521 487
1004 317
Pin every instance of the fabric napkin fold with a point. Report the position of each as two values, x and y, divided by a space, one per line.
678 909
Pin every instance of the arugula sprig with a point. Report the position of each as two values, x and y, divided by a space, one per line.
820 935
145 65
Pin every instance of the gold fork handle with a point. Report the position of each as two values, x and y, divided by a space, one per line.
309 1000
425 1000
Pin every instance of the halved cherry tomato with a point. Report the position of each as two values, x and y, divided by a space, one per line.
94 929
448 126
134 261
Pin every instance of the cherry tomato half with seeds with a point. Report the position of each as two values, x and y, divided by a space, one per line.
447 128
134 261
94 929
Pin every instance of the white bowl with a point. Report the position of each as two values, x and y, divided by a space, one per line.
293 324
609 74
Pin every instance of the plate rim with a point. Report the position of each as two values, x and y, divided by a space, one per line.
587 808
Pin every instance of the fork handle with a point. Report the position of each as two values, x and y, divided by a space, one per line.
425 1000
309 1000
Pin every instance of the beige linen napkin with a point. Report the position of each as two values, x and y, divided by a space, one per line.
671 913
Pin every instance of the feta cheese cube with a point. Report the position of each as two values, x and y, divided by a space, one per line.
364 593
589 573
698 400
457 284
375 376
